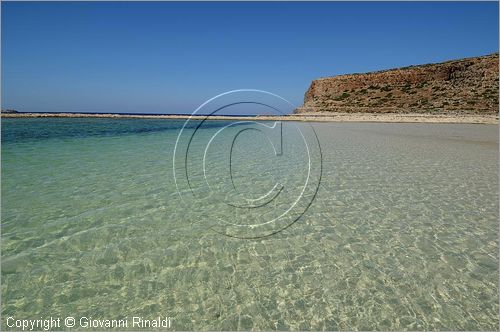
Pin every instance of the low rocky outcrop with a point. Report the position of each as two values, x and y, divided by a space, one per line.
460 86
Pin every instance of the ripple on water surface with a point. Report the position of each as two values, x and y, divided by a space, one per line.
402 234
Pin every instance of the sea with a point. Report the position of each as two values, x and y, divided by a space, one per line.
246 225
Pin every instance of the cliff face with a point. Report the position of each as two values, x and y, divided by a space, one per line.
459 86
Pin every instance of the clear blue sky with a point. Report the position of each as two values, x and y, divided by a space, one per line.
163 57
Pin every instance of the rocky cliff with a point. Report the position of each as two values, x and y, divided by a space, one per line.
460 86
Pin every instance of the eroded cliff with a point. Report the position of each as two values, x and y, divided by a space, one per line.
459 86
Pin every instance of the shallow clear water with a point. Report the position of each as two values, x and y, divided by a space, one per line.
402 232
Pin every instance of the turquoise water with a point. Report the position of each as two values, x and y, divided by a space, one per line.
402 232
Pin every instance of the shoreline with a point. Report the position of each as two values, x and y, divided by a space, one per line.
306 117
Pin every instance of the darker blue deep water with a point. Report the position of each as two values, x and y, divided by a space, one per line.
34 129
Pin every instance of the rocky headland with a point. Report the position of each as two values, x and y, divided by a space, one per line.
459 87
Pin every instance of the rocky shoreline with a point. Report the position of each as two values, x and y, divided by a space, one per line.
309 117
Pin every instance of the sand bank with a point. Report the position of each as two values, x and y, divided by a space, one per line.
328 117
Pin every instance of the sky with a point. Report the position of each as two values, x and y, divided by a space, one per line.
170 57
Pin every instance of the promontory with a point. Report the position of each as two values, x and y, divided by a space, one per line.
458 87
